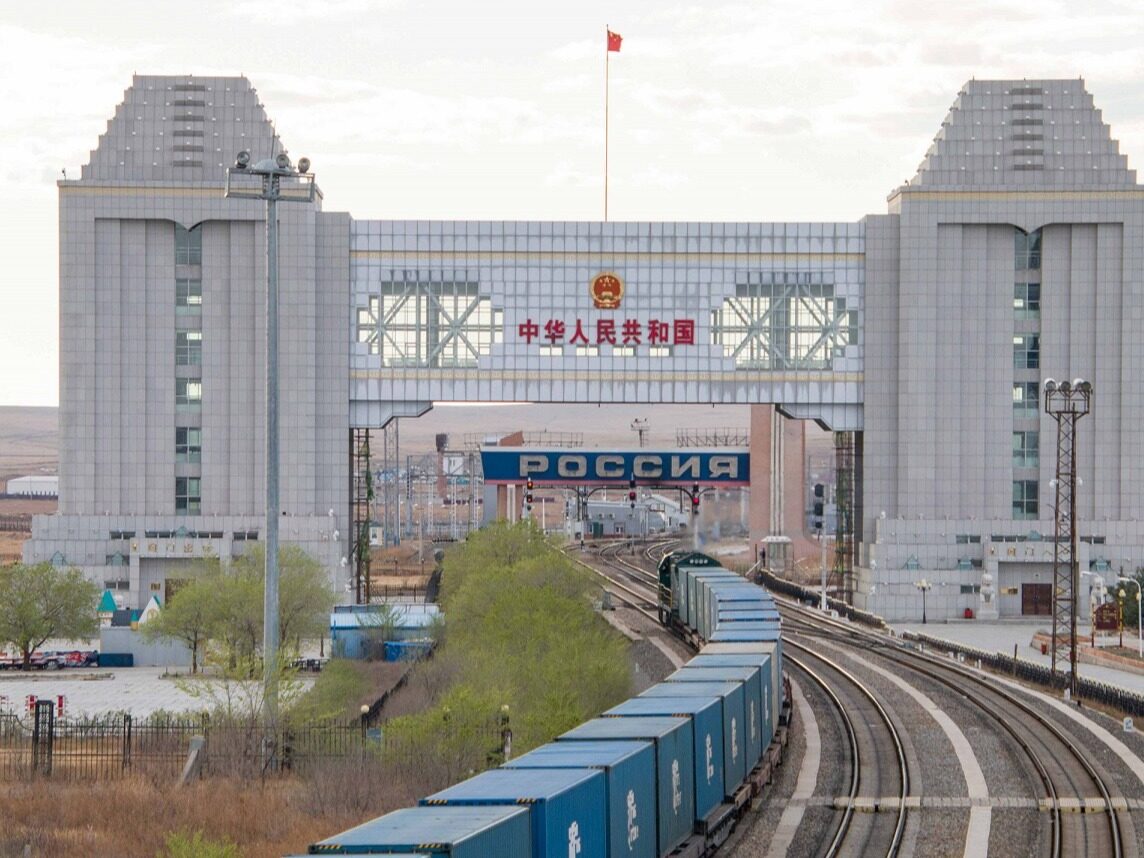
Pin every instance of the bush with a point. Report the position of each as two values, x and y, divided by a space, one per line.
180 845
523 643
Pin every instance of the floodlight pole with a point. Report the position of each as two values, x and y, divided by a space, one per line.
270 172
1067 403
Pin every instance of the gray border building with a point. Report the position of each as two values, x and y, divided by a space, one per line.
1015 253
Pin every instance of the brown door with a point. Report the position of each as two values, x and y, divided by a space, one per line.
1036 599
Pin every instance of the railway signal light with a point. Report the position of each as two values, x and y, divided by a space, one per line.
632 492
695 499
528 486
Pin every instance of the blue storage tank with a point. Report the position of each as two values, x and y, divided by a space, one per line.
762 661
629 779
438 832
706 714
773 649
674 773
567 806
741 735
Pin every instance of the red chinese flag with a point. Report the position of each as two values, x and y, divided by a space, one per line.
614 40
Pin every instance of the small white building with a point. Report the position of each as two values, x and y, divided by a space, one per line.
35 487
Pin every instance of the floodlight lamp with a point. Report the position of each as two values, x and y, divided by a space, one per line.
283 161
303 165
1065 388
1050 385
242 160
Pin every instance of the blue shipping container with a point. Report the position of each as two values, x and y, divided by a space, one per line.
732 697
629 778
674 774
765 713
772 648
695 580
439 832
567 805
750 676
706 715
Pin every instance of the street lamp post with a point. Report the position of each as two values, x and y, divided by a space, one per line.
924 586
1139 614
271 180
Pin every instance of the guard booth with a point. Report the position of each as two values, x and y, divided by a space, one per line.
776 554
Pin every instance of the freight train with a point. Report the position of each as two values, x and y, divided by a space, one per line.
666 773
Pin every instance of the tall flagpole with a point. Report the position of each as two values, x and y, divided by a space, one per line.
607 56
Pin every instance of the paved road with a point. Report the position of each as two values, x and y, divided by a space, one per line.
1002 636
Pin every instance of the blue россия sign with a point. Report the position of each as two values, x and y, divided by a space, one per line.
725 466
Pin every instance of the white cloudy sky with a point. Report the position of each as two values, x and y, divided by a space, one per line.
762 110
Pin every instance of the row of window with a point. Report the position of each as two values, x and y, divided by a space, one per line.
1026 362
188 353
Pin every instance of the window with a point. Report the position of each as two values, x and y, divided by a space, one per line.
188 391
188 348
551 351
784 320
188 496
1025 449
188 292
1024 499
1027 351
1027 250
1027 300
1025 399
188 245
659 351
188 445
427 318
624 351
587 351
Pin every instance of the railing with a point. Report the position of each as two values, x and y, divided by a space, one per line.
40 744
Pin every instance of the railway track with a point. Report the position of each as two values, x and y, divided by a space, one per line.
1085 814
631 583
872 737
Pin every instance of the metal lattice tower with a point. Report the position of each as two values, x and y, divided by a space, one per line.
361 503
1066 403
717 437
844 460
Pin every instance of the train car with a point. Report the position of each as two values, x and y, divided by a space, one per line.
706 716
756 694
567 806
437 832
768 651
735 719
673 739
629 780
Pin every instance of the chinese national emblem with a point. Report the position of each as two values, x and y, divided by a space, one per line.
607 289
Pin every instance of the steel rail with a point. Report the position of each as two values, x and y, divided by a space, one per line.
855 754
909 658
801 625
899 748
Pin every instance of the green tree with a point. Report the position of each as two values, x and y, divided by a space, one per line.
191 615
223 604
38 602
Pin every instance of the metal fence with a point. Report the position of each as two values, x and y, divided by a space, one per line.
41 744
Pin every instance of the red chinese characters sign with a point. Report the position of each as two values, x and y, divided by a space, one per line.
628 332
